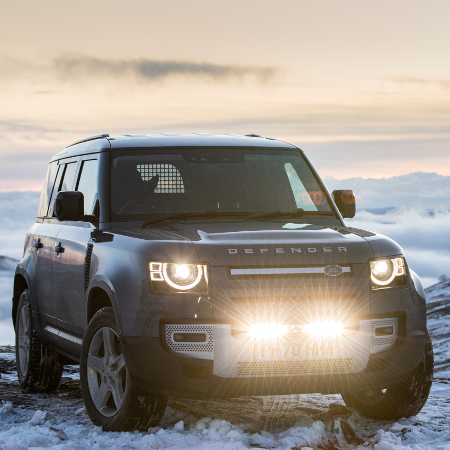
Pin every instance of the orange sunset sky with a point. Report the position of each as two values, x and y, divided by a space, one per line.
363 87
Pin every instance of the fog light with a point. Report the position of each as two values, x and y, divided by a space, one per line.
324 328
267 330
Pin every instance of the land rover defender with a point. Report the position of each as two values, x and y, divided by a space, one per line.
206 266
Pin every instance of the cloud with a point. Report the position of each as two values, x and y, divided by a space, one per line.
85 67
421 82
418 190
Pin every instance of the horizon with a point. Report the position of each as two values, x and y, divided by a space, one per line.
363 89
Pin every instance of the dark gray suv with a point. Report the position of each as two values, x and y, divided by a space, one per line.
206 266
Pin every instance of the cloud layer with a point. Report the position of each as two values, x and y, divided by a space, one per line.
415 190
84 68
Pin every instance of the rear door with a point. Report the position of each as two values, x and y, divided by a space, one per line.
44 244
42 248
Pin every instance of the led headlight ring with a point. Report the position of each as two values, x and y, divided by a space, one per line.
189 275
384 271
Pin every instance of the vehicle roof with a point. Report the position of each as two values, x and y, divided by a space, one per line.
105 142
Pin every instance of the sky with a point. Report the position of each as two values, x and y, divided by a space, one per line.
362 87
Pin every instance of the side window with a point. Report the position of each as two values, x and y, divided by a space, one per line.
46 192
68 177
87 184
64 182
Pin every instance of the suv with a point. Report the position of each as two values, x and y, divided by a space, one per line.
206 266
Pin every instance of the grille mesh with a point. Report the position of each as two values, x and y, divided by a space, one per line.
383 340
170 181
207 346
298 367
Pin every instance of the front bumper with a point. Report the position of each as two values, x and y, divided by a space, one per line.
224 365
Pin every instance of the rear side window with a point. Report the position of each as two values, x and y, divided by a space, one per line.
69 177
87 184
64 182
47 189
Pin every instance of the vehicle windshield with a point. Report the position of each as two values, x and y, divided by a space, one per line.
148 183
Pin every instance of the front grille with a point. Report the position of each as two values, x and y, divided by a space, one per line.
298 367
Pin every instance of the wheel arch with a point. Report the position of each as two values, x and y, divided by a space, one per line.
101 295
20 284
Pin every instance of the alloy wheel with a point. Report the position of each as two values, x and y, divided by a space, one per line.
24 339
106 372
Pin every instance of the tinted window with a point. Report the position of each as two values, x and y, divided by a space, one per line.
87 184
64 182
47 189
69 177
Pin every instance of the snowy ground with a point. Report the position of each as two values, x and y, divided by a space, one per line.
280 422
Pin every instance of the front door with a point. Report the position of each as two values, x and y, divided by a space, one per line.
71 263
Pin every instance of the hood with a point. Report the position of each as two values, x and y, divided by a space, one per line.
271 243
309 244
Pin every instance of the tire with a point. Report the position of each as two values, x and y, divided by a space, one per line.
404 399
39 368
112 400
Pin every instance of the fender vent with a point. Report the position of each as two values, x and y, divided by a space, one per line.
87 265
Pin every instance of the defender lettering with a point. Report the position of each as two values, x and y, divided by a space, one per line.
234 251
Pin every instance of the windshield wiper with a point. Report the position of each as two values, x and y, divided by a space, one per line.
194 215
289 214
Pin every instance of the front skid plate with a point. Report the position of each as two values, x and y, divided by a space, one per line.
237 358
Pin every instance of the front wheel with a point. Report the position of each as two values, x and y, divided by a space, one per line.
399 400
111 398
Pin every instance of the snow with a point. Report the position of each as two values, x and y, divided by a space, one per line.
59 421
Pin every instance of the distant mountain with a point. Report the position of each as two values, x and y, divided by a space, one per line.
438 322
415 190
7 264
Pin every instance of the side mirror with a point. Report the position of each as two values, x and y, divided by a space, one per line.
345 202
69 205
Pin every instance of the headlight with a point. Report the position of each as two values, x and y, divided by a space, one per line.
385 272
181 277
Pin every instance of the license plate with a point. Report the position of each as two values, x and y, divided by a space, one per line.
283 349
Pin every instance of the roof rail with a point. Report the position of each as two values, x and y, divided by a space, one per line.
92 138
259 136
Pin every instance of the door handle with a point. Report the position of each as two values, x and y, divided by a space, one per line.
59 248
38 244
